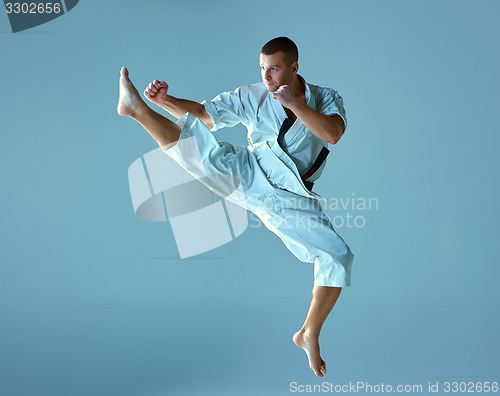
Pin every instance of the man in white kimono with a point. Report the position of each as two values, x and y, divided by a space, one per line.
290 124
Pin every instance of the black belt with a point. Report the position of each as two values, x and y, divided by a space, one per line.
287 124
319 159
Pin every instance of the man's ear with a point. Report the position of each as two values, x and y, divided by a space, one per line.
295 67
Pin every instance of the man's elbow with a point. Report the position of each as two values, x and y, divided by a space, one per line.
209 124
333 140
206 119
335 137
337 129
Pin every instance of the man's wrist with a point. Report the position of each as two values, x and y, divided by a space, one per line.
298 106
168 101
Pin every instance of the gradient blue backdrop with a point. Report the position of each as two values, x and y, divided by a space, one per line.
93 301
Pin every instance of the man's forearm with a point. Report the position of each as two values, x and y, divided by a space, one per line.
329 129
179 107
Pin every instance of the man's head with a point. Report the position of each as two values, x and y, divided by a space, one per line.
279 62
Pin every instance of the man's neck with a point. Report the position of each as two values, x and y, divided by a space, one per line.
299 89
298 86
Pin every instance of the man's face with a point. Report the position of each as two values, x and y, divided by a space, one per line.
275 72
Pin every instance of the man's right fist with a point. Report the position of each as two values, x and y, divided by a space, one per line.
156 91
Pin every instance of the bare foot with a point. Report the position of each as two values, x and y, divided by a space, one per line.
310 345
130 102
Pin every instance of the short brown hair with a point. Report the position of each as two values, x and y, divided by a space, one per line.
290 50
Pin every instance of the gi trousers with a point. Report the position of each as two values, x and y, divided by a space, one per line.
272 191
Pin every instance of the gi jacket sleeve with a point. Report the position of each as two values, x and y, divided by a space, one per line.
331 104
226 109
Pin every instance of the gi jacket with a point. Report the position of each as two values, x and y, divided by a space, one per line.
253 106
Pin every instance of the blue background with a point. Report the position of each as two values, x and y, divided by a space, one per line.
93 301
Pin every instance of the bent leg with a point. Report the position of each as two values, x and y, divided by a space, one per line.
130 104
307 338
310 236
308 233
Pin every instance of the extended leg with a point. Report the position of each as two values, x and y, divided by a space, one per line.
323 300
164 131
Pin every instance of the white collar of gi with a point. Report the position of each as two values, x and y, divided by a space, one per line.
309 99
278 108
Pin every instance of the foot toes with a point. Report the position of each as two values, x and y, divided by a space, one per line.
124 72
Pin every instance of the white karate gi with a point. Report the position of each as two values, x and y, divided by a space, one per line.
269 175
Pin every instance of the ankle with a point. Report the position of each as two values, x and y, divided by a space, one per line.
309 333
139 111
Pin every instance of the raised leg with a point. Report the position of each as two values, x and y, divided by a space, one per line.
307 338
130 104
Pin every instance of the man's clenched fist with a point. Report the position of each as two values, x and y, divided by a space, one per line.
156 91
286 96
